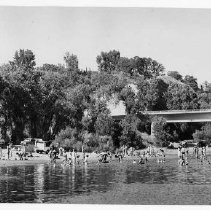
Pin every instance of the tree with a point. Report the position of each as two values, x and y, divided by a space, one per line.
97 114
207 87
103 124
151 94
204 96
179 97
203 134
162 137
66 138
126 65
204 100
175 74
128 97
24 58
71 61
32 98
107 61
17 75
192 82
147 67
130 135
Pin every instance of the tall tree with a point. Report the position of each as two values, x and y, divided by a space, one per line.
191 81
107 61
71 61
130 135
147 67
24 58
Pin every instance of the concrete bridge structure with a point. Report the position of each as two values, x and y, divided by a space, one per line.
176 116
181 116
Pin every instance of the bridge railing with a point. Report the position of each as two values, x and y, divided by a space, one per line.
177 111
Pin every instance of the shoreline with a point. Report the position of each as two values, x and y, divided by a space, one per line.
93 157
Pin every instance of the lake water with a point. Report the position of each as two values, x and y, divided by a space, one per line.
44 183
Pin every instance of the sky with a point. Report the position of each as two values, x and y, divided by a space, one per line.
180 39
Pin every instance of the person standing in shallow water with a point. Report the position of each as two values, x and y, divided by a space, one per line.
52 155
203 154
181 156
9 150
197 152
179 152
65 157
73 157
186 156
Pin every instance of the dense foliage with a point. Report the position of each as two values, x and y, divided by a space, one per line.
66 104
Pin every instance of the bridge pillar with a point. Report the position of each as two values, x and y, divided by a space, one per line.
153 129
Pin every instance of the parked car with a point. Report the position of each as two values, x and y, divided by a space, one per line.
173 145
36 145
188 143
41 146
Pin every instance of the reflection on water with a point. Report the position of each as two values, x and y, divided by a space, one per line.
43 182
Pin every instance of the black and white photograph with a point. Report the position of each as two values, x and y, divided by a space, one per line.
105 105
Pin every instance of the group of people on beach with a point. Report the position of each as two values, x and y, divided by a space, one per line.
73 158
140 158
13 153
198 152
69 157
159 154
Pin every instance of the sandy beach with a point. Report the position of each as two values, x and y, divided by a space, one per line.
93 157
